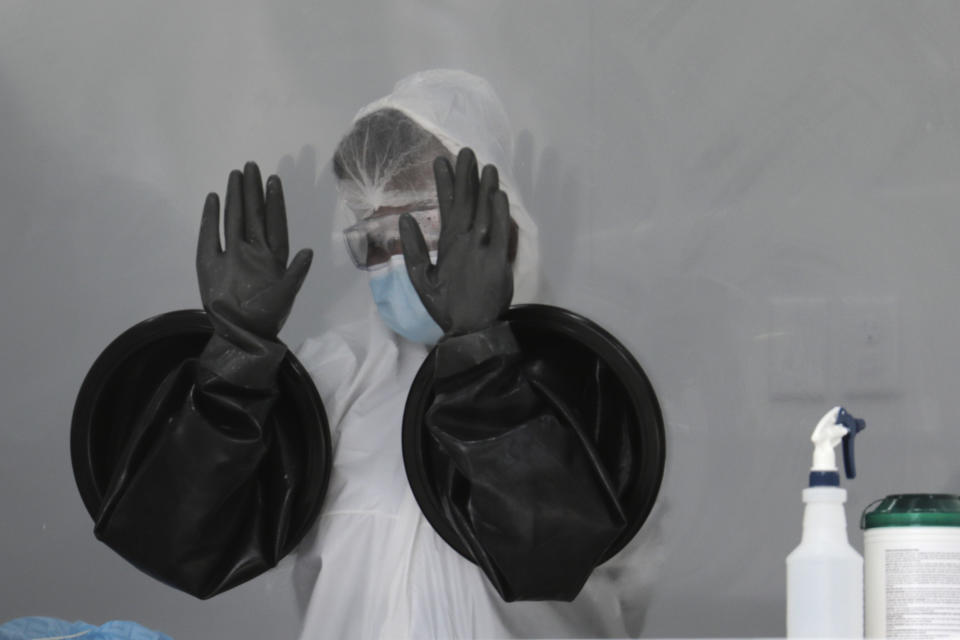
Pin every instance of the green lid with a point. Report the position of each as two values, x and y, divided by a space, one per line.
913 510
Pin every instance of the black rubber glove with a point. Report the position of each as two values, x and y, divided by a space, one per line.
203 493
471 285
246 287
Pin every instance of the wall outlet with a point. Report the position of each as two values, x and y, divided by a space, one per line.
796 348
869 346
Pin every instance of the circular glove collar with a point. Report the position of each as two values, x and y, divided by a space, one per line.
124 376
553 334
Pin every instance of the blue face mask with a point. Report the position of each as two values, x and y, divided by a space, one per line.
400 306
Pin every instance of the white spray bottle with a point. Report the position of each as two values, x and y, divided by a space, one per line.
824 573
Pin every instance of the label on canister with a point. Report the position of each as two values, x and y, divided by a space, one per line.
912 567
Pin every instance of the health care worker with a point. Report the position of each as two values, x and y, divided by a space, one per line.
186 503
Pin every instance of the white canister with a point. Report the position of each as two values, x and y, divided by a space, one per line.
912 567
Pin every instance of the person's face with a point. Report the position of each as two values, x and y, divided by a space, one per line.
376 237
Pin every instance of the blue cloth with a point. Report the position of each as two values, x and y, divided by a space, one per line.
400 306
40 628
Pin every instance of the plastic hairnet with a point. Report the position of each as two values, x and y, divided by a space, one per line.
461 110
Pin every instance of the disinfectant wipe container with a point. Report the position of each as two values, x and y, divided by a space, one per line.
912 566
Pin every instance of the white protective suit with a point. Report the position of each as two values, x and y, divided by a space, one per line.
372 566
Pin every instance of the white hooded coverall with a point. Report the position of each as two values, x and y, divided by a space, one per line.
372 566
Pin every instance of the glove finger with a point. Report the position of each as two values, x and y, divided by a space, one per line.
465 188
500 235
500 226
253 206
277 236
489 184
297 271
233 210
416 256
443 176
208 245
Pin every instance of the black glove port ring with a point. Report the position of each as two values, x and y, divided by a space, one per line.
543 330
144 354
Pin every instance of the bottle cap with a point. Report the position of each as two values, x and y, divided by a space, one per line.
835 427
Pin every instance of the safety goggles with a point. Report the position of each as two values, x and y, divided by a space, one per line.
372 241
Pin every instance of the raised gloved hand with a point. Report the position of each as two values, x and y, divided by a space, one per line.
471 284
203 494
246 287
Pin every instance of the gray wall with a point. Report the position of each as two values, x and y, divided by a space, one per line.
759 198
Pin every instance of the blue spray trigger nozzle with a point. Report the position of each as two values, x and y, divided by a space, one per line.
854 426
